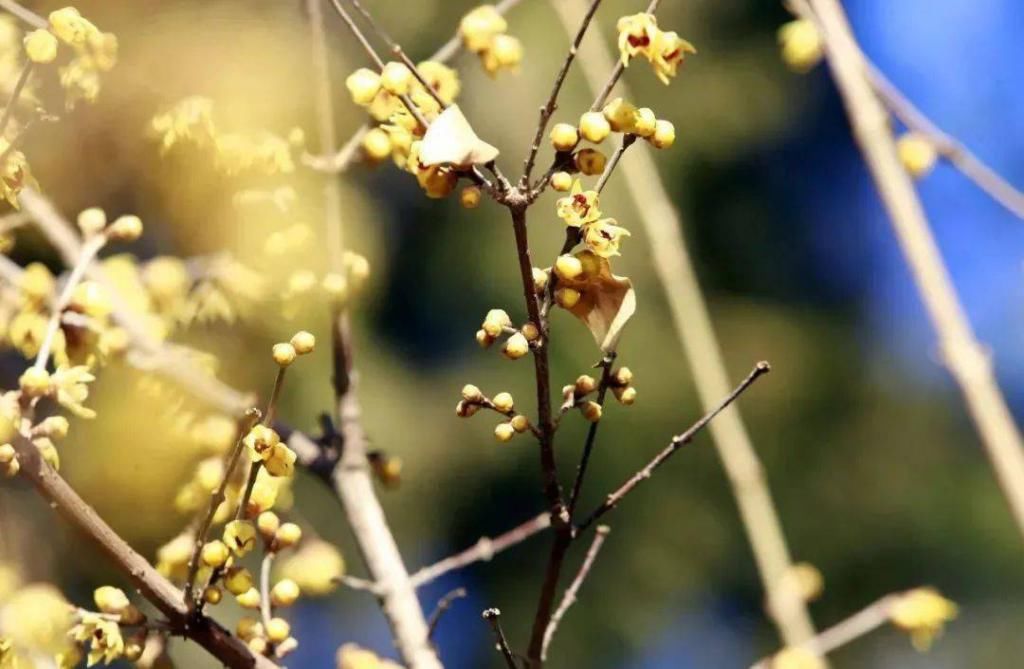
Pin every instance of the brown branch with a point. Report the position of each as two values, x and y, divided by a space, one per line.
569 598
677 442
492 616
220 643
483 550
443 605
552 104
627 141
588 444
963 355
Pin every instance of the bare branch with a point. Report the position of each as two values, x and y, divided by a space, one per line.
443 605
588 445
23 13
492 616
569 598
627 141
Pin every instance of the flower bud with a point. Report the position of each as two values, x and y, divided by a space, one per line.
530 331
626 396
376 144
591 411
664 134
567 298
284 354
268 523
238 580
464 409
215 554
621 115
594 127
278 630
396 78
503 402
287 535
110 599
125 229
585 385
249 628
645 123
520 423
564 137
363 85
495 322
623 376
7 454
250 599
561 181
284 592
41 46
470 197
516 346
35 382
590 161
258 645
212 595
471 393
507 50
303 342
54 427
504 432
484 339
917 154
540 280
568 267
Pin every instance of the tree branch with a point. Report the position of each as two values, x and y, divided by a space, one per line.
569 598
492 616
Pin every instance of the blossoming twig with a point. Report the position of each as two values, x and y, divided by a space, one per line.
677 442
483 550
569 598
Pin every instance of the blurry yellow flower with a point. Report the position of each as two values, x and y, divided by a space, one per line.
26 334
668 51
80 81
14 174
363 85
104 637
36 618
41 46
802 47
240 537
396 78
580 207
72 389
479 26
91 298
189 120
281 461
351 656
37 283
507 52
110 599
604 236
314 567
636 34
443 79
917 153
172 558
260 442
71 27
621 115
922 612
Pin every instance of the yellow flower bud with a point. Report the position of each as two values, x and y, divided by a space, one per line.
284 592
249 628
281 461
238 580
917 154
258 645
621 115
212 595
540 279
396 78
520 423
561 181
240 536
591 411
11 469
802 46
507 51
623 376
483 338
470 197
503 402
626 396
646 122
250 599
278 630
530 331
568 267
567 298
363 85
287 535
495 322
465 409
41 46
268 523
37 283
54 427
376 144
215 554
132 650
664 134
125 229
303 342
471 393
516 346
7 454
35 382
590 161
585 385
504 432
564 137
71 27
336 287
110 599
594 127
284 354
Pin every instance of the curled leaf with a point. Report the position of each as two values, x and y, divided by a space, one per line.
451 140
607 301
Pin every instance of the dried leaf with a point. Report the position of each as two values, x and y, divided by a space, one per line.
607 301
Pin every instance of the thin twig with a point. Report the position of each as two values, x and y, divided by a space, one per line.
483 550
696 336
551 105
492 616
266 610
588 445
443 605
569 598
966 359
217 498
26 71
23 13
677 442
627 141
870 618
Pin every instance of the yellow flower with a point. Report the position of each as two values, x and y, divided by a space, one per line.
260 442
604 236
72 389
41 46
621 115
190 120
104 637
363 85
480 26
667 52
281 461
443 79
71 27
80 81
802 47
240 537
580 207
636 34
314 567
922 612
172 558
351 656
14 174
36 618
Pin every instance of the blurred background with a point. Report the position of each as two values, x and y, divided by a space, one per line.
875 468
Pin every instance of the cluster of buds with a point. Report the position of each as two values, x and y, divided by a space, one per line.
94 52
284 353
93 221
665 50
473 400
483 32
496 324
222 557
575 395
103 630
617 116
